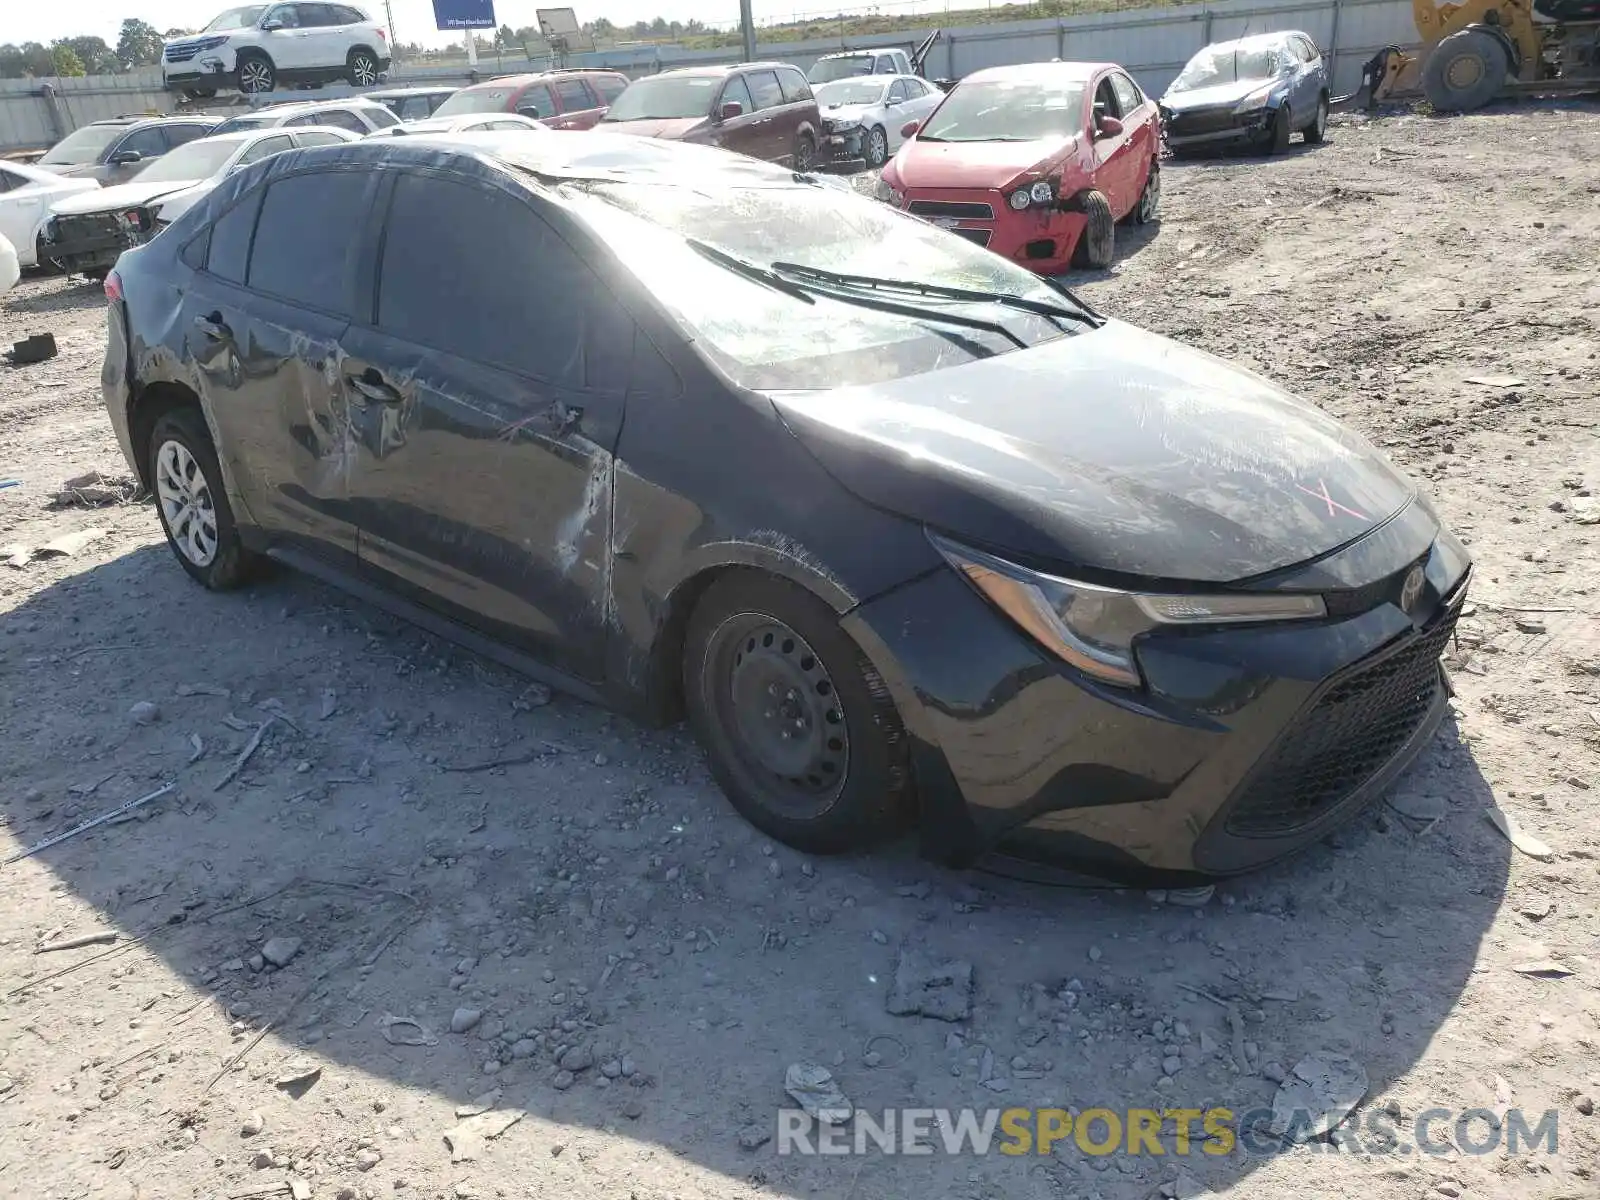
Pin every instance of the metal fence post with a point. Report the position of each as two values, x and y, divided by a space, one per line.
52 105
950 56
1061 40
1333 48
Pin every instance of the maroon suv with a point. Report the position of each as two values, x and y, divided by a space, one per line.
561 99
765 110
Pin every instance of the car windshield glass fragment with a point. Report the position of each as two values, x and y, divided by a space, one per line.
851 91
196 160
1228 64
770 338
237 18
1007 111
82 146
829 69
666 99
465 103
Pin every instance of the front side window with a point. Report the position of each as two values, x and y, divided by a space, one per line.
149 143
767 339
339 118
1128 95
1007 110
738 92
285 15
10 181
897 91
255 121
608 87
540 313
764 89
306 236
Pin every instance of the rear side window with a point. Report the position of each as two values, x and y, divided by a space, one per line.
341 118
795 87
608 87
306 235
414 108
534 314
537 102
266 147
764 89
148 141
178 135
317 137
230 240
349 16
573 95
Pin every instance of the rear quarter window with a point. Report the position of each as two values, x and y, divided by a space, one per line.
608 87
228 256
764 89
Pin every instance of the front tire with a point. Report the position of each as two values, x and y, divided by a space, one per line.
799 729
805 152
256 74
1097 245
191 501
1465 71
877 147
1278 136
362 69
1317 131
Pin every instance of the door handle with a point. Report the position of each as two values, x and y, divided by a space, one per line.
370 386
213 327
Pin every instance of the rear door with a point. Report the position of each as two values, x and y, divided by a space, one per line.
776 121
742 134
263 317
483 426
181 133
577 105
23 205
1308 79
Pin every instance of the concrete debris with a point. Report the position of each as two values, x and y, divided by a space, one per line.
367 1158
280 951
403 1031
1317 1096
1525 842
753 1137
144 713
463 1020
298 1071
1543 968
812 1087
467 1139
94 490
252 1125
931 988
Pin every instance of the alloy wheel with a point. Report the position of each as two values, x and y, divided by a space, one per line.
1150 199
363 71
255 76
186 503
877 148
782 714
804 152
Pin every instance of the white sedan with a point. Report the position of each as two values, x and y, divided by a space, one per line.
26 194
10 272
862 116
465 123
86 233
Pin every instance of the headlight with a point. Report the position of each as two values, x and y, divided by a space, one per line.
1039 194
1256 99
1093 628
886 192
1019 199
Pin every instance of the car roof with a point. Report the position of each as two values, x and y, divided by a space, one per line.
159 119
1260 39
717 69
516 81
293 108
408 91
858 53
1064 71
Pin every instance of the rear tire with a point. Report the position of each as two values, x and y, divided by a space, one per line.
192 503
1097 245
1317 131
362 69
799 729
1465 71
1149 206
256 74
877 151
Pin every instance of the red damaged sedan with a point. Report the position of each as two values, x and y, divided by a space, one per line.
1037 162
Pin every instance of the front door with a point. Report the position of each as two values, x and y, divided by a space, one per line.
742 134
485 406
777 121
264 316
290 45
1115 159
579 108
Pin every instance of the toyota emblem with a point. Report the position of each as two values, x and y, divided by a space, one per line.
1411 590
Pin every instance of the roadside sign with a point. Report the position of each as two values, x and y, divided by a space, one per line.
464 14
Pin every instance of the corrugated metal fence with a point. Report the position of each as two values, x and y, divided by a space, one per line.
1153 43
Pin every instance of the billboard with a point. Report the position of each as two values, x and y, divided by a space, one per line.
463 14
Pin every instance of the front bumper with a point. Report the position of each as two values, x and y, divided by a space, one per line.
1214 127
1247 745
844 148
205 70
1041 239
90 241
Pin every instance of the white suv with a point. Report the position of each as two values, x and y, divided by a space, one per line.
257 47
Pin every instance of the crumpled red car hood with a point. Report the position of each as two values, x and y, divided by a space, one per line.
923 164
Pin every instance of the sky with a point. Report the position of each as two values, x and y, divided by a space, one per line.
25 21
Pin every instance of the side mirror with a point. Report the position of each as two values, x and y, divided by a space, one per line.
894 102
126 158
529 111
1107 127
909 129
729 110
270 24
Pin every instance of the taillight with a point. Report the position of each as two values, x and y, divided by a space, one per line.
113 286
383 35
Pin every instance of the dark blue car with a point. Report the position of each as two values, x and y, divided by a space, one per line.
1257 91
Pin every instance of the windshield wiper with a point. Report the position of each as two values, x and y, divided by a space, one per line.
1080 312
749 270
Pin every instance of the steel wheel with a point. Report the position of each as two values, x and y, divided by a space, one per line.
186 503
877 148
363 70
256 76
782 713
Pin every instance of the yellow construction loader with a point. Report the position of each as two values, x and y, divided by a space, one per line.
1477 50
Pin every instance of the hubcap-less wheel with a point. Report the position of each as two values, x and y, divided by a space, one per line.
1150 201
186 504
782 714
804 152
363 71
877 148
255 76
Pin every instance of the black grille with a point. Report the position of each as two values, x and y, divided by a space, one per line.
1344 739
961 210
978 237
1200 120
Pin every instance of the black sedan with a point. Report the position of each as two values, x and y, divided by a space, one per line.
913 536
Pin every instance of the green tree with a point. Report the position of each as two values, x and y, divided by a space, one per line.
97 57
64 60
28 59
505 37
138 45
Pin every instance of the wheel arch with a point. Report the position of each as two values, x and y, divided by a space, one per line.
148 405
357 49
1507 43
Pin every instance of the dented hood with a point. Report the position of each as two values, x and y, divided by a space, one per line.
1216 95
924 164
1113 450
123 195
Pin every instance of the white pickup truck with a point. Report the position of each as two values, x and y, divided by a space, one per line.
851 63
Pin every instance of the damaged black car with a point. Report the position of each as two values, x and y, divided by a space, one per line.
915 539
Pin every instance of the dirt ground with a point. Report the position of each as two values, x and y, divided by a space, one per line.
643 967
